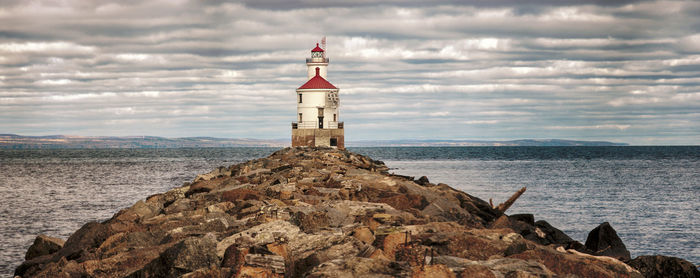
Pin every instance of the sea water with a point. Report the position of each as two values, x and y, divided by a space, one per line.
649 195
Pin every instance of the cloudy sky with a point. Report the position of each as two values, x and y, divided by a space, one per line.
623 71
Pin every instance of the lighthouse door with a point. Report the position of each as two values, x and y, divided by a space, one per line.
320 118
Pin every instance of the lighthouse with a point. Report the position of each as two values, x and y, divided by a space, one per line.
318 119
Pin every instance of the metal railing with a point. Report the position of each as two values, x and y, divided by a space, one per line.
338 125
314 124
317 60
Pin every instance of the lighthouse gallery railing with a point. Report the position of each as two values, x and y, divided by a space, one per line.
318 60
314 124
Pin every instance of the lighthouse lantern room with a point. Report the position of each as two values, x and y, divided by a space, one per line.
318 116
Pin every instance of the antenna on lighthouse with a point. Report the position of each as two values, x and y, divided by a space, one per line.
323 45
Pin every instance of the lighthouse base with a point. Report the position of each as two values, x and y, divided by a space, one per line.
330 137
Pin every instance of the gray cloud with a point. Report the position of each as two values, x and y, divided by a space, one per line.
599 70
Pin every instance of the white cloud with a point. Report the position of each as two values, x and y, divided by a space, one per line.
55 81
69 47
575 14
133 57
604 126
501 69
690 43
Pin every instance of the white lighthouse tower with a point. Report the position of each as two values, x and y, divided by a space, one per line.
317 107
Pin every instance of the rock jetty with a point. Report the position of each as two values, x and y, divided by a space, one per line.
310 212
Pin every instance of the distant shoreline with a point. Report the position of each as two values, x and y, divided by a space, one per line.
13 141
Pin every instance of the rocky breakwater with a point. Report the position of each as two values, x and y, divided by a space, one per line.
320 213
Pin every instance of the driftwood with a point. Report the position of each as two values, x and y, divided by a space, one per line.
505 205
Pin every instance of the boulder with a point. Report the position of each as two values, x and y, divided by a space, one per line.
392 242
241 194
567 264
526 218
85 240
360 267
603 241
310 222
423 181
185 256
234 257
476 271
503 267
200 187
364 234
272 262
432 271
546 234
501 222
43 245
663 266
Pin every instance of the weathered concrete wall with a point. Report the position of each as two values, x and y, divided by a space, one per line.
318 137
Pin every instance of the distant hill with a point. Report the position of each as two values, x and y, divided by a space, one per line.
447 143
13 141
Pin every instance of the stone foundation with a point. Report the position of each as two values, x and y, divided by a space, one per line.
318 137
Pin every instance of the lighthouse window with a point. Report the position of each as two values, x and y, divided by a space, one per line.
300 117
299 98
335 118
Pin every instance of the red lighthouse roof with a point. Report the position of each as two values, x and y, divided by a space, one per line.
317 82
317 49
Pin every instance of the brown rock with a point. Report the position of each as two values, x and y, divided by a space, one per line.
432 271
273 262
257 272
476 271
278 248
241 194
413 254
360 267
185 256
43 245
202 186
565 264
285 195
364 234
663 266
501 222
85 240
310 222
208 273
234 258
473 247
393 241
405 201
344 194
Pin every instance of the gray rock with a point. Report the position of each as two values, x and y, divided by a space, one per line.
506 266
274 262
663 266
546 234
360 267
603 241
